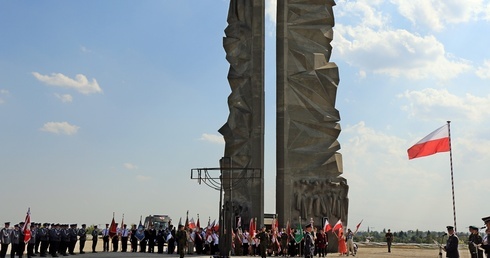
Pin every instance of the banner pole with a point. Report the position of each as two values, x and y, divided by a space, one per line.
452 178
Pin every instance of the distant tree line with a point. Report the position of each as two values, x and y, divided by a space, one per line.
410 236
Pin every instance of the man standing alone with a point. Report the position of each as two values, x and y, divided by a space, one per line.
389 239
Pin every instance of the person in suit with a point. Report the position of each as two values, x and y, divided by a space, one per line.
452 242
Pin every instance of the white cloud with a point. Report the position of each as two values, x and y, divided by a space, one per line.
85 50
436 13
404 53
60 128
484 70
271 10
3 93
142 178
429 103
80 83
213 138
65 98
130 166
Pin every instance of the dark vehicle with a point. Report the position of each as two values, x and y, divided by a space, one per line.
157 220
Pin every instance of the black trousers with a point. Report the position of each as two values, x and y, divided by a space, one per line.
105 243
44 247
124 244
3 251
94 244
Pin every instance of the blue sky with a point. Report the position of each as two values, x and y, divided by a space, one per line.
106 106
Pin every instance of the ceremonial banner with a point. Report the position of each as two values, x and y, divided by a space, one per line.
27 226
437 141
140 232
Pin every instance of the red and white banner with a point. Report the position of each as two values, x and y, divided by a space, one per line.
27 226
437 141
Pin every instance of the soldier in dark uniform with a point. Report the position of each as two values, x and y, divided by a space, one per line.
181 237
14 239
95 237
82 236
5 239
144 241
134 240
22 245
452 242
54 239
32 242
115 243
65 238
38 240
486 239
199 241
160 239
43 236
73 234
151 239
474 239
264 242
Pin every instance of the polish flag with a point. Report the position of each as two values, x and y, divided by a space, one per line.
337 225
327 226
192 224
27 225
437 141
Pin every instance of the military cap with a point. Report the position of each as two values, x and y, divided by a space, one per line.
95 226
107 225
46 224
16 225
486 219
73 225
22 223
308 226
83 225
450 228
7 223
473 227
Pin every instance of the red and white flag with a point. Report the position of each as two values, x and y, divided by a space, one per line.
192 224
327 226
337 225
437 141
358 225
252 228
27 226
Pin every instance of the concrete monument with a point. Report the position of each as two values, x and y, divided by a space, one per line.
308 183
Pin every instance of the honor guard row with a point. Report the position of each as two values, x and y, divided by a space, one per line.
57 239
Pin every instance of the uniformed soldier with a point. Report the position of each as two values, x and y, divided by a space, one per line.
264 242
54 239
124 238
38 240
474 239
486 239
73 234
105 238
14 239
43 236
32 242
181 237
22 245
95 237
452 242
82 234
5 239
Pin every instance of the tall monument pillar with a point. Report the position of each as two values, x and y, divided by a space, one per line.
244 130
308 182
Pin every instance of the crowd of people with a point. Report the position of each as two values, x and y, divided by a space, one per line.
61 239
